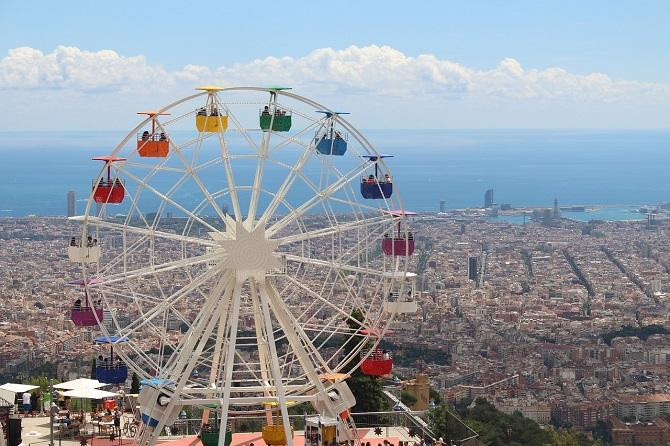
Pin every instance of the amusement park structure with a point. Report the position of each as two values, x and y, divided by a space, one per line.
249 226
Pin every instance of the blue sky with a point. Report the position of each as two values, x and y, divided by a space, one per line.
472 44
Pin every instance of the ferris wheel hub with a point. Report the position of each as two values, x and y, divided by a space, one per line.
248 253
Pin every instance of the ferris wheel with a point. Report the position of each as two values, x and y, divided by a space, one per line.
243 249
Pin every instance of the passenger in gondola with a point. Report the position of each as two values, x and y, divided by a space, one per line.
95 242
202 112
73 241
89 241
410 235
371 179
214 112
77 304
145 135
105 363
163 137
117 182
98 361
99 303
337 135
385 355
266 111
102 181
387 178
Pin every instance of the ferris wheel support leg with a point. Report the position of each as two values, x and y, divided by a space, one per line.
276 372
188 355
230 359
216 359
262 341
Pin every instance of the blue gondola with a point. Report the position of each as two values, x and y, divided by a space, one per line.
375 187
111 371
331 142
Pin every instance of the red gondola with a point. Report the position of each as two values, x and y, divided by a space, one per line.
108 190
379 363
399 244
153 145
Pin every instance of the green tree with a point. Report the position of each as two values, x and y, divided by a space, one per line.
134 383
407 398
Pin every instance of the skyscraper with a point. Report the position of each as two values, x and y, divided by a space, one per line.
557 211
488 198
472 268
443 206
71 204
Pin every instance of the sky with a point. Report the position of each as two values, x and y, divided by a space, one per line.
436 64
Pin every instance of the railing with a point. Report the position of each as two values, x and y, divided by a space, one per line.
406 419
149 137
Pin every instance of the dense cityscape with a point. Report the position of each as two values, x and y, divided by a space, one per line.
562 321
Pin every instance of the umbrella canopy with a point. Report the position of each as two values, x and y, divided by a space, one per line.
80 383
17 388
89 393
8 391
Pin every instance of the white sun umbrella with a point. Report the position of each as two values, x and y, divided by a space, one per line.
8 391
80 383
89 393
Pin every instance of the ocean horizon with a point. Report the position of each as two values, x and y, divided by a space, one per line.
526 168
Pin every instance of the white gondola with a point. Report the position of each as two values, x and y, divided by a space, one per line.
401 302
87 252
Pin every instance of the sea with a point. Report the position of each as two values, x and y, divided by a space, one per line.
618 171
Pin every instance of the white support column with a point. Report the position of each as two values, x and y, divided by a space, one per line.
230 358
276 371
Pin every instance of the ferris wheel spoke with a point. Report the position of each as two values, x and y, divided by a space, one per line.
334 265
339 229
150 232
230 178
155 269
167 199
154 167
325 301
196 178
318 198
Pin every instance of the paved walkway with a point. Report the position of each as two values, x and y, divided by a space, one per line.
36 432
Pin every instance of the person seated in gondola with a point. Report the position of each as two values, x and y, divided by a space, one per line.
117 182
385 355
337 135
98 361
77 304
89 241
105 363
145 135
371 179
102 181
266 111
387 178
95 242
73 241
202 112
99 303
214 112
410 235
163 137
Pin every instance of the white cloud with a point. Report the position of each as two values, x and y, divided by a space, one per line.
72 68
370 70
